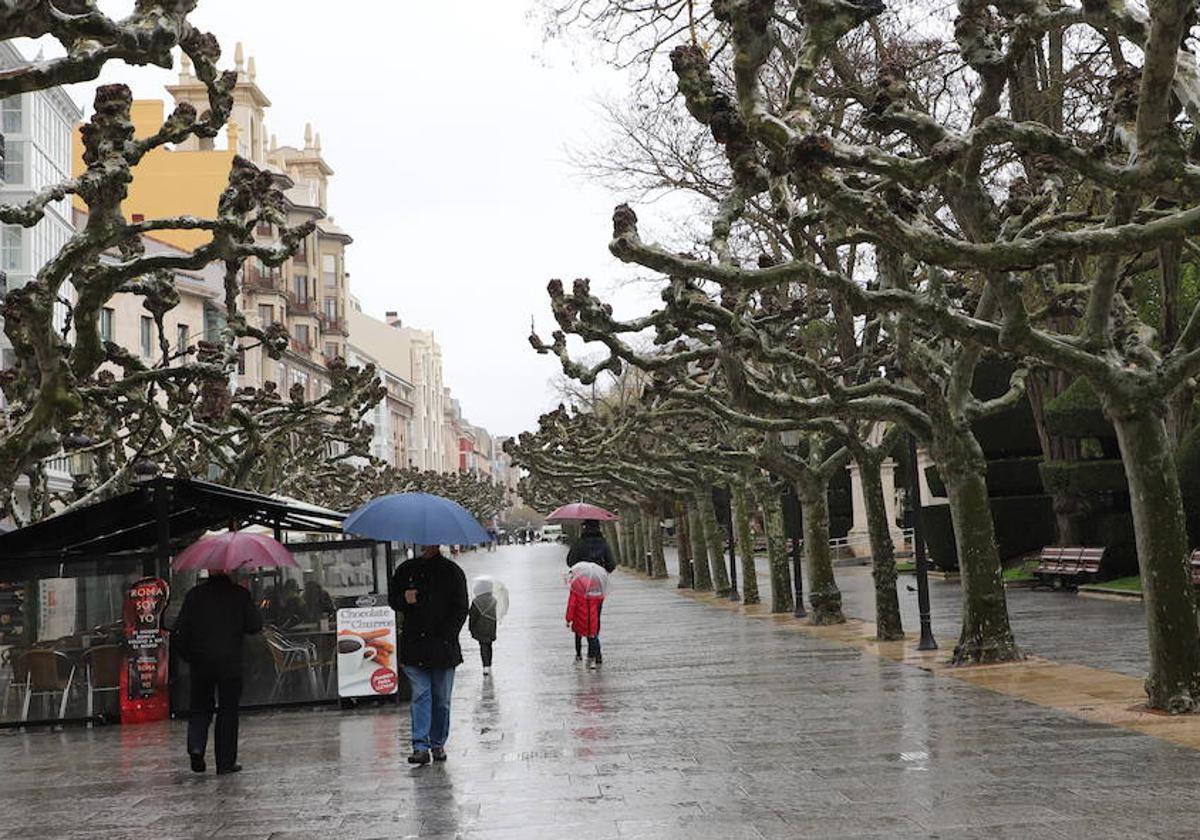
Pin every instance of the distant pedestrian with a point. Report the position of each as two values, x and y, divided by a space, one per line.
488 606
587 583
430 591
215 618
591 547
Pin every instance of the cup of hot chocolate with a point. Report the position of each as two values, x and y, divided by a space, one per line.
353 653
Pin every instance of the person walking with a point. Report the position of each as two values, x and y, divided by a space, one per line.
591 547
215 618
482 620
587 583
430 592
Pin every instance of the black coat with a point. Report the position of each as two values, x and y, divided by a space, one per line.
591 548
215 618
429 634
482 620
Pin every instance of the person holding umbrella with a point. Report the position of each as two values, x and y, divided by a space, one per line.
216 617
430 591
488 605
588 583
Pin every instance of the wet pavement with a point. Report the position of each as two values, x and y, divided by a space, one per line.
703 723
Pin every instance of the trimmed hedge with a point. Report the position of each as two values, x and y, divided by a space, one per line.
1187 463
1084 478
1005 477
1023 525
1077 413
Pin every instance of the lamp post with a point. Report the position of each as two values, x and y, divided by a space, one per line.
922 564
733 587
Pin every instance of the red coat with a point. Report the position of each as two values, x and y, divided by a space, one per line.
583 613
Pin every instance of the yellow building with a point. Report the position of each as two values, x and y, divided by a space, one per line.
308 293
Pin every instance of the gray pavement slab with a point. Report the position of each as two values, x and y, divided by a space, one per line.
700 724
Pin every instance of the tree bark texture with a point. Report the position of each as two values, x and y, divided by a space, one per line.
610 531
888 626
986 633
683 545
703 579
782 598
658 560
745 544
1162 547
823 594
714 541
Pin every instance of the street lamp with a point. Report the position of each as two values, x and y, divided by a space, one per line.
80 460
733 587
792 439
914 502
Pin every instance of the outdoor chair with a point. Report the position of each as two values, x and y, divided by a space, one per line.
291 657
102 670
50 672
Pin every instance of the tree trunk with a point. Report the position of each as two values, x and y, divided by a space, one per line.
683 545
1162 547
745 545
611 536
639 542
626 528
986 634
823 594
703 580
888 626
782 598
658 560
715 542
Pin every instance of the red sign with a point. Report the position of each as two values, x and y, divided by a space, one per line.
383 681
144 695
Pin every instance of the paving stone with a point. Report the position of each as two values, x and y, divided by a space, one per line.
701 723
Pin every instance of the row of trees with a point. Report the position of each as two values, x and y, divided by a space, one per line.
895 197
70 390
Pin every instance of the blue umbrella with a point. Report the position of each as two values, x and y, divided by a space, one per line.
418 518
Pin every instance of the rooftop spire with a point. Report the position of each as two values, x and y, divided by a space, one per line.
238 59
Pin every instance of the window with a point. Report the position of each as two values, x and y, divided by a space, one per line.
106 324
241 361
12 116
147 336
301 254
266 314
14 163
331 350
181 337
10 248
302 333
331 308
300 285
329 270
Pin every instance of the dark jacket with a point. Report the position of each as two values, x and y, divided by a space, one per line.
481 621
591 548
215 618
429 634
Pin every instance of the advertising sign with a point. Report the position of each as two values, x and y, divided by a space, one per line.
144 694
56 607
366 649
12 613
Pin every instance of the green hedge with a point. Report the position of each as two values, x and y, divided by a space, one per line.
1114 531
1023 524
1076 413
1083 478
1005 477
1187 463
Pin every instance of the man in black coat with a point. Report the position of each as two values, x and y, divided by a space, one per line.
430 593
591 547
216 617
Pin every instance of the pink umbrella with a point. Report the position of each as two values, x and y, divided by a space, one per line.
580 510
232 551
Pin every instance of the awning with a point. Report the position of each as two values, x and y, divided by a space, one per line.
130 522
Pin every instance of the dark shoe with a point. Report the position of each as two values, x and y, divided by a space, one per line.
439 754
599 661
198 765
578 657
225 771
419 757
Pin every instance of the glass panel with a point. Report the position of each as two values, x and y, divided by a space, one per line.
14 162
147 336
106 324
11 109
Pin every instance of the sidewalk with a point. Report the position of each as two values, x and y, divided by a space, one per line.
703 723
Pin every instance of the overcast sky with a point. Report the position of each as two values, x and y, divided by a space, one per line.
448 126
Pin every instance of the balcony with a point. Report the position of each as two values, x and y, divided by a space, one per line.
255 279
300 306
303 348
333 325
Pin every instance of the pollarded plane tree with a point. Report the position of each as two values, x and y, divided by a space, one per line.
63 376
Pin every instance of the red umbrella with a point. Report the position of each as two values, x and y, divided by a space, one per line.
580 510
232 551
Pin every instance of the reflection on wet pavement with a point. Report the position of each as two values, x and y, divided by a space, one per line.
701 724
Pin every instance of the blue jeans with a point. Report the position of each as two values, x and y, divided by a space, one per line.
430 707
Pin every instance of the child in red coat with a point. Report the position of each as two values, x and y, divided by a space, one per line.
583 606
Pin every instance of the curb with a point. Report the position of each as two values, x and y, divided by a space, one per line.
1106 594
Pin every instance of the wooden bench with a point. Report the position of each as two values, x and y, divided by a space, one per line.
1068 566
